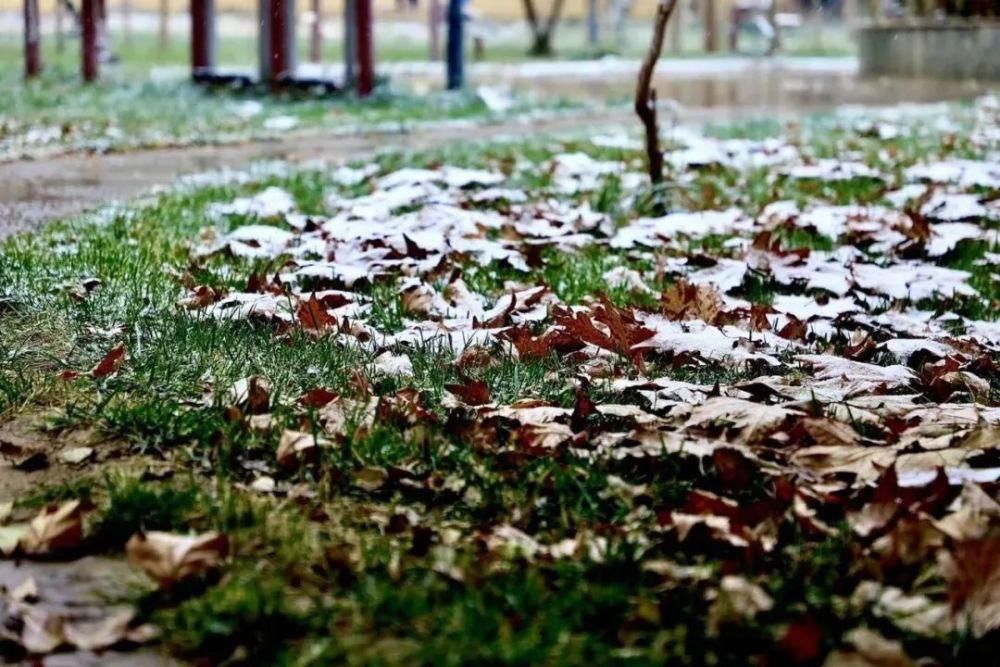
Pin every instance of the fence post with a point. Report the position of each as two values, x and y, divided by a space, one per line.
456 46
366 48
32 40
91 25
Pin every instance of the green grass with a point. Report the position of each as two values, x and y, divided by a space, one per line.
334 569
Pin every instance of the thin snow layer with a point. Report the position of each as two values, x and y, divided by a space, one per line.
860 325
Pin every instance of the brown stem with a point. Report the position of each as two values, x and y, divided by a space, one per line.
645 94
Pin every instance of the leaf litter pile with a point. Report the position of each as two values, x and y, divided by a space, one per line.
485 404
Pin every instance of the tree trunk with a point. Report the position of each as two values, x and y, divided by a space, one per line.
542 33
164 24
541 45
772 18
711 26
593 32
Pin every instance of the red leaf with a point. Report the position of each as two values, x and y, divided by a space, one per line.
472 392
317 398
312 315
803 640
111 362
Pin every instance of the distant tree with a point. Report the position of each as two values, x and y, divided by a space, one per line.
542 31
618 13
593 25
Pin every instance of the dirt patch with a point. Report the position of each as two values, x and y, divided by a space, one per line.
34 456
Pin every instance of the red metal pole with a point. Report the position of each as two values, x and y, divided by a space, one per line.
366 49
91 51
202 36
32 40
280 26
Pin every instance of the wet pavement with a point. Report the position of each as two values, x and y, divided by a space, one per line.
85 589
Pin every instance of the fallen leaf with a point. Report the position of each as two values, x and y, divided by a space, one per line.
869 649
75 455
295 447
56 528
111 363
736 601
171 559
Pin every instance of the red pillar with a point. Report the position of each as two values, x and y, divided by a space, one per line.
91 50
366 49
202 36
281 24
32 40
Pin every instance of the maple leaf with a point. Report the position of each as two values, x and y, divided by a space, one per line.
312 315
529 348
317 398
684 301
471 392
972 570
170 559
201 296
623 334
111 362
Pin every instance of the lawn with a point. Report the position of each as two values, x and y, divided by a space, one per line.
485 404
134 107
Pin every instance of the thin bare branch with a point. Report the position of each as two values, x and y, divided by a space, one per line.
645 93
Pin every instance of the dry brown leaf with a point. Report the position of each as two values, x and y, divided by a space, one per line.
471 392
736 600
295 447
971 516
313 315
972 570
106 632
56 528
869 649
170 559
684 301
739 420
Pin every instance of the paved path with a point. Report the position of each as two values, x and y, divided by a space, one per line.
34 192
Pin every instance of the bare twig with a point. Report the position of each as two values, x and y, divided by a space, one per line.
645 94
